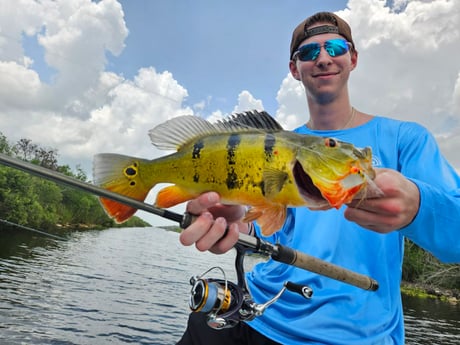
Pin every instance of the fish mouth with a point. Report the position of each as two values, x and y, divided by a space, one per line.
304 183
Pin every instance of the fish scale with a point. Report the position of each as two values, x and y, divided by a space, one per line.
248 159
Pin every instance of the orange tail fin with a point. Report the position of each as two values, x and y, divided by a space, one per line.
120 174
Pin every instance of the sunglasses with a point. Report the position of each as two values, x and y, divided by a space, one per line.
310 51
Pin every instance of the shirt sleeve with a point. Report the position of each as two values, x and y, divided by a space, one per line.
436 227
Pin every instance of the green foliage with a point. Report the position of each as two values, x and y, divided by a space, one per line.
421 267
42 204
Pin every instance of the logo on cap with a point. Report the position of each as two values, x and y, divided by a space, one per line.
323 29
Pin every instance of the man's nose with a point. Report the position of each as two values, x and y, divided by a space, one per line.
323 58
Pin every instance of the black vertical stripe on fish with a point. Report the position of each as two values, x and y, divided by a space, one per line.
233 142
262 187
196 153
269 144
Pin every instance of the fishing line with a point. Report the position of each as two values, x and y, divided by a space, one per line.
23 227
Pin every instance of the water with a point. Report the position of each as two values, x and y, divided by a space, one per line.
121 286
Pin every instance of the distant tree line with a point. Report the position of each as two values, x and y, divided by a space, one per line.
38 203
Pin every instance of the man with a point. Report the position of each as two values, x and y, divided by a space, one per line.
421 201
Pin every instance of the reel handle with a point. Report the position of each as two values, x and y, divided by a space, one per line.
302 290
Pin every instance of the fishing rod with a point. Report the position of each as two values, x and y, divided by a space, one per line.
242 308
276 252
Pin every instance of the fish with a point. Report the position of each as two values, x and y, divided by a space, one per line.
249 159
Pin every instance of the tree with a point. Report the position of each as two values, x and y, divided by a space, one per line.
46 158
5 146
24 149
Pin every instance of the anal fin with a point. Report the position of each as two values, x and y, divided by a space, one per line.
173 195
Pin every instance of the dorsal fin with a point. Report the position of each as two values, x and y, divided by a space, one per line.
251 119
174 133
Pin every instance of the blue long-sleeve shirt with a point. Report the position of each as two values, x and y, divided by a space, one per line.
339 313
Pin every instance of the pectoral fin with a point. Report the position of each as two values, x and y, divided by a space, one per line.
270 217
274 181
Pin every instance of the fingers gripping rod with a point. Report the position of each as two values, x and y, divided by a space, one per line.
277 252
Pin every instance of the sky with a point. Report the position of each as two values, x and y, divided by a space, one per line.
85 77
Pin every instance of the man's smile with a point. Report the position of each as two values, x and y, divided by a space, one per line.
325 74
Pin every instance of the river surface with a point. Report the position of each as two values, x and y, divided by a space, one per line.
130 286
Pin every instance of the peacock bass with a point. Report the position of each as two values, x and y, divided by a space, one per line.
248 159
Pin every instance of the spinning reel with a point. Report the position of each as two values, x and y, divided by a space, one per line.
227 303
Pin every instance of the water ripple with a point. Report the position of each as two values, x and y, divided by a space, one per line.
117 286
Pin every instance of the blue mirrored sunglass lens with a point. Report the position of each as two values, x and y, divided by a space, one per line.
309 52
334 47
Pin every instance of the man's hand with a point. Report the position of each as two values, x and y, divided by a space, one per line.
395 210
207 232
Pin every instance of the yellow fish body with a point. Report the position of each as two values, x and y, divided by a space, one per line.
248 159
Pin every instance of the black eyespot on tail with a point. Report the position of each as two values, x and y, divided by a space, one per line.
130 171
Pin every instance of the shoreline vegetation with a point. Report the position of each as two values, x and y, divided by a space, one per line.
37 203
419 290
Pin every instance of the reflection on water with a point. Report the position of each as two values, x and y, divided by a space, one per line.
128 286
430 321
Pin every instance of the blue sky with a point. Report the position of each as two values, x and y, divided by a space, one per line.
215 49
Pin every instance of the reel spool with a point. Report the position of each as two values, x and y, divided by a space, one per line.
209 295
220 299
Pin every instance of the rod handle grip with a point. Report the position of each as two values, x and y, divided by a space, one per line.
312 264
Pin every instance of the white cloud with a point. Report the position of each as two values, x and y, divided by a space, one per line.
292 111
19 86
449 144
246 101
408 66
84 109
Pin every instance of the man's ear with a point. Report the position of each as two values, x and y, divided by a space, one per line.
354 60
294 71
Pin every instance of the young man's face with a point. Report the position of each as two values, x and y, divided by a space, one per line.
324 76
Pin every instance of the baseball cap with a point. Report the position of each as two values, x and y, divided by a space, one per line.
335 25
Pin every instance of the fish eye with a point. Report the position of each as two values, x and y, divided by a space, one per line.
330 142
